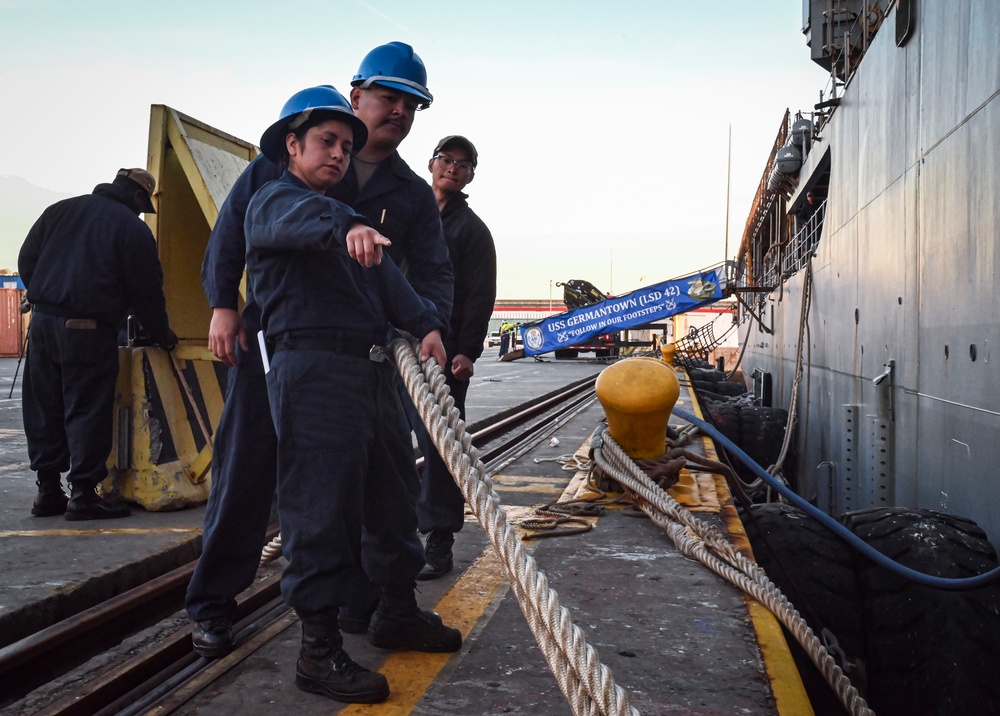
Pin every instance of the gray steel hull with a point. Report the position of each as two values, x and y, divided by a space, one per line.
904 281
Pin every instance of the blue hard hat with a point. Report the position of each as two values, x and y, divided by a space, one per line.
303 105
395 65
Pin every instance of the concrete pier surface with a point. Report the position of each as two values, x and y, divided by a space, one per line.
677 638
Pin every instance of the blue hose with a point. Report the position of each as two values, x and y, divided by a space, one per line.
925 580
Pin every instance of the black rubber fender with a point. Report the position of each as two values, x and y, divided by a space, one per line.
708 396
702 386
710 375
730 389
815 570
763 432
725 417
928 652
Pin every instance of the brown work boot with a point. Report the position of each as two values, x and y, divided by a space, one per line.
400 624
50 500
325 668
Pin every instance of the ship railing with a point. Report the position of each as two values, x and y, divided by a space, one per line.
803 243
770 267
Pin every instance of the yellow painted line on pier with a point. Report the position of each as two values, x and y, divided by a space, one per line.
120 531
410 673
790 695
786 683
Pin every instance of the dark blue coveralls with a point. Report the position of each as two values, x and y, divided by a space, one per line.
333 406
401 206
474 263
85 262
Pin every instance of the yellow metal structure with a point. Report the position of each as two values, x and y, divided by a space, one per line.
168 404
638 395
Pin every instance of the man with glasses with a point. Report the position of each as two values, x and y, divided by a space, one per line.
388 89
474 263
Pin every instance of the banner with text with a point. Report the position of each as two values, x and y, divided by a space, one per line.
648 304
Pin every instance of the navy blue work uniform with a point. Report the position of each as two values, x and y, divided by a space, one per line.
86 262
401 206
332 405
474 263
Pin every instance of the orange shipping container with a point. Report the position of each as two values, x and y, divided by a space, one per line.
13 324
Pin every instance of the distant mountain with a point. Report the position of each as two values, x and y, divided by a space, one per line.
21 203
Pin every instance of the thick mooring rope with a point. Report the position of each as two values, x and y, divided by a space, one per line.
702 541
777 468
587 684
271 551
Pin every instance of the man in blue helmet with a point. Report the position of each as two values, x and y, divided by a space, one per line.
389 87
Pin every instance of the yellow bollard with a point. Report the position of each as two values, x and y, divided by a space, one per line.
667 350
638 395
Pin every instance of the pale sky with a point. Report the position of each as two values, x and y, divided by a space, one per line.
602 126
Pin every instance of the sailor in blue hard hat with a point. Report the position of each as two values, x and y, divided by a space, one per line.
397 66
389 87
305 109
401 207
325 320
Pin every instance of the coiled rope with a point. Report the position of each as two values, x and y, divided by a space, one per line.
699 540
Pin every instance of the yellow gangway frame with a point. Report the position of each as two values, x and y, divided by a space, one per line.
168 404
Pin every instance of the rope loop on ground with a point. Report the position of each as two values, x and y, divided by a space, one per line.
699 540
570 463
546 523
587 684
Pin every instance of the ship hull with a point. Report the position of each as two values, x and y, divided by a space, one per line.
902 283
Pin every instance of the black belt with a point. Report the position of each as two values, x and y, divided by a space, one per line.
344 345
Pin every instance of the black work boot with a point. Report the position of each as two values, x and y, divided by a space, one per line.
86 504
437 553
213 637
355 620
400 624
325 668
50 500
